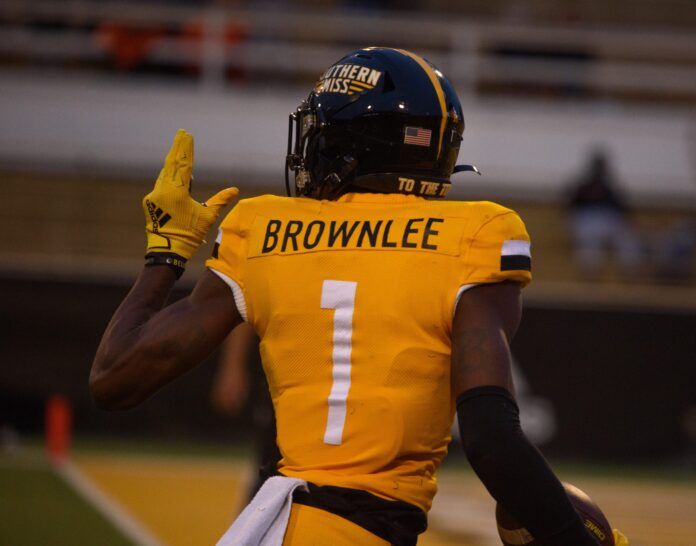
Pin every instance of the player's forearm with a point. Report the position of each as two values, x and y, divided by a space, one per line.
117 379
147 345
514 471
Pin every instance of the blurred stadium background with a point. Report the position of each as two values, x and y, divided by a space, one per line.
91 93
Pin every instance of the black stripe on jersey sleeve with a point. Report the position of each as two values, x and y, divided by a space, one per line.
515 262
216 250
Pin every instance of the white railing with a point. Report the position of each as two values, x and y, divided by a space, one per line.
298 45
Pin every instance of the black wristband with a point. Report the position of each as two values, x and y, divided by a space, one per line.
174 261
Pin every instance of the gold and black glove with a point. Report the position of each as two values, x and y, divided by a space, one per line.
175 223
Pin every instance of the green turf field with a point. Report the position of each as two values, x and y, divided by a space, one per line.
163 487
39 508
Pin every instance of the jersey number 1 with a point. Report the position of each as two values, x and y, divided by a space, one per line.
340 296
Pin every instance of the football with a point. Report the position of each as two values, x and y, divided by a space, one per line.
513 534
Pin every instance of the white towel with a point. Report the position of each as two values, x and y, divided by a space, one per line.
264 520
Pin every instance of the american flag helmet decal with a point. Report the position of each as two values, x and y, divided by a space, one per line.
418 136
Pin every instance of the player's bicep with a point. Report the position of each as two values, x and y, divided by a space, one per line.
485 321
210 306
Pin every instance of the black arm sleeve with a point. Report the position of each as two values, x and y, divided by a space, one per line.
514 471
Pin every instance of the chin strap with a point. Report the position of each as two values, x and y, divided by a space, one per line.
335 183
466 168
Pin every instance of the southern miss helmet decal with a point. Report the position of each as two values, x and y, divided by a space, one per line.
376 117
347 79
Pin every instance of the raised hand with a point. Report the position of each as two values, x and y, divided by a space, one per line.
175 223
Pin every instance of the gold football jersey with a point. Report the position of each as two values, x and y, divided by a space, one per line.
353 303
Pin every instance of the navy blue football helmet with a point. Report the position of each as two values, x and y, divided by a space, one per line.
380 119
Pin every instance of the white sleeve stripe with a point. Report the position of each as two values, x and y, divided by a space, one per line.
516 248
237 293
463 288
218 238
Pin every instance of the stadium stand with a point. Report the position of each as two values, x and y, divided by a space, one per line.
542 82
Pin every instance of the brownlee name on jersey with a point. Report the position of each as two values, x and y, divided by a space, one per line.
296 235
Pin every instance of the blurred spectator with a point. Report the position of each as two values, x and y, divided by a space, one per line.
599 219
126 45
240 379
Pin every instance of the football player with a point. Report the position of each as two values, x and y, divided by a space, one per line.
380 307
